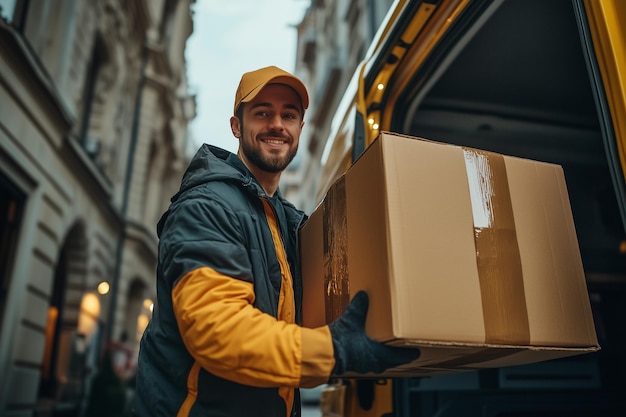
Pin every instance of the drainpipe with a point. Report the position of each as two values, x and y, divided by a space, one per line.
373 20
134 137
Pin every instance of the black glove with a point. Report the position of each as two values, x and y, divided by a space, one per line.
355 351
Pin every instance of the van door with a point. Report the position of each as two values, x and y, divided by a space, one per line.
541 80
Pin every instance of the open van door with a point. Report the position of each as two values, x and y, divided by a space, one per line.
538 79
604 46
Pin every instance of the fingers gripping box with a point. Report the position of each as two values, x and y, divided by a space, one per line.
468 255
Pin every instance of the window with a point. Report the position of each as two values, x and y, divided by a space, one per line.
91 145
14 12
11 209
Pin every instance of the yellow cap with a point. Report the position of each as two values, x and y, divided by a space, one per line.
252 82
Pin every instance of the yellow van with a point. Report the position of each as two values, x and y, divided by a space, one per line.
539 79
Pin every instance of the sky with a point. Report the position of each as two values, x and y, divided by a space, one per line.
231 37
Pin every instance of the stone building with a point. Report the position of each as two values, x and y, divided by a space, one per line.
333 38
94 108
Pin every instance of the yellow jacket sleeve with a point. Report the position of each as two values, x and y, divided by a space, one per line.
232 339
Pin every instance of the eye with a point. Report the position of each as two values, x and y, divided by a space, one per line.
290 116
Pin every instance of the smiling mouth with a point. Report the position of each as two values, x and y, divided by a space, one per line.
274 141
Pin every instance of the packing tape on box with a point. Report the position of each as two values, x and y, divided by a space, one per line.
336 279
472 361
497 253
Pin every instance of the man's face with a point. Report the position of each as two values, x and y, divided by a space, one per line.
270 130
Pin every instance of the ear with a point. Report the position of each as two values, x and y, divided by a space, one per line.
235 126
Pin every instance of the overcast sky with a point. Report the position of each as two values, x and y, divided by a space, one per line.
231 37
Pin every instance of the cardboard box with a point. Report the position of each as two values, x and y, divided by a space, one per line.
469 255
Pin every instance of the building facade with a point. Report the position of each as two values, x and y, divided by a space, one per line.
94 108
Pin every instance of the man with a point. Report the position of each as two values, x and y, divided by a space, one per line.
224 338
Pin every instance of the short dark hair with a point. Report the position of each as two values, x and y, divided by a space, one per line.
239 115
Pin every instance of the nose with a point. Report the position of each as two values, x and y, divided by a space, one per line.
276 122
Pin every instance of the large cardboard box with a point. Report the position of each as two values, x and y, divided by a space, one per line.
470 256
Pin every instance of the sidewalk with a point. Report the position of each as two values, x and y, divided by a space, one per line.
311 410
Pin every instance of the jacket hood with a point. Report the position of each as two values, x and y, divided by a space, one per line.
210 164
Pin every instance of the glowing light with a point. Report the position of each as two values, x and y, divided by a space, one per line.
89 314
103 288
380 86
90 304
148 303
375 126
370 121
142 322
622 246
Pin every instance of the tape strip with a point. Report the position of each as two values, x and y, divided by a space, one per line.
497 253
464 361
473 360
336 280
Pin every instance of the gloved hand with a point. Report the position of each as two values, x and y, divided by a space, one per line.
355 351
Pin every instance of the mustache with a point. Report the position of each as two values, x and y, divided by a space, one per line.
268 135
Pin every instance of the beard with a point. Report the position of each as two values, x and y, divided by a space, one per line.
268 163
